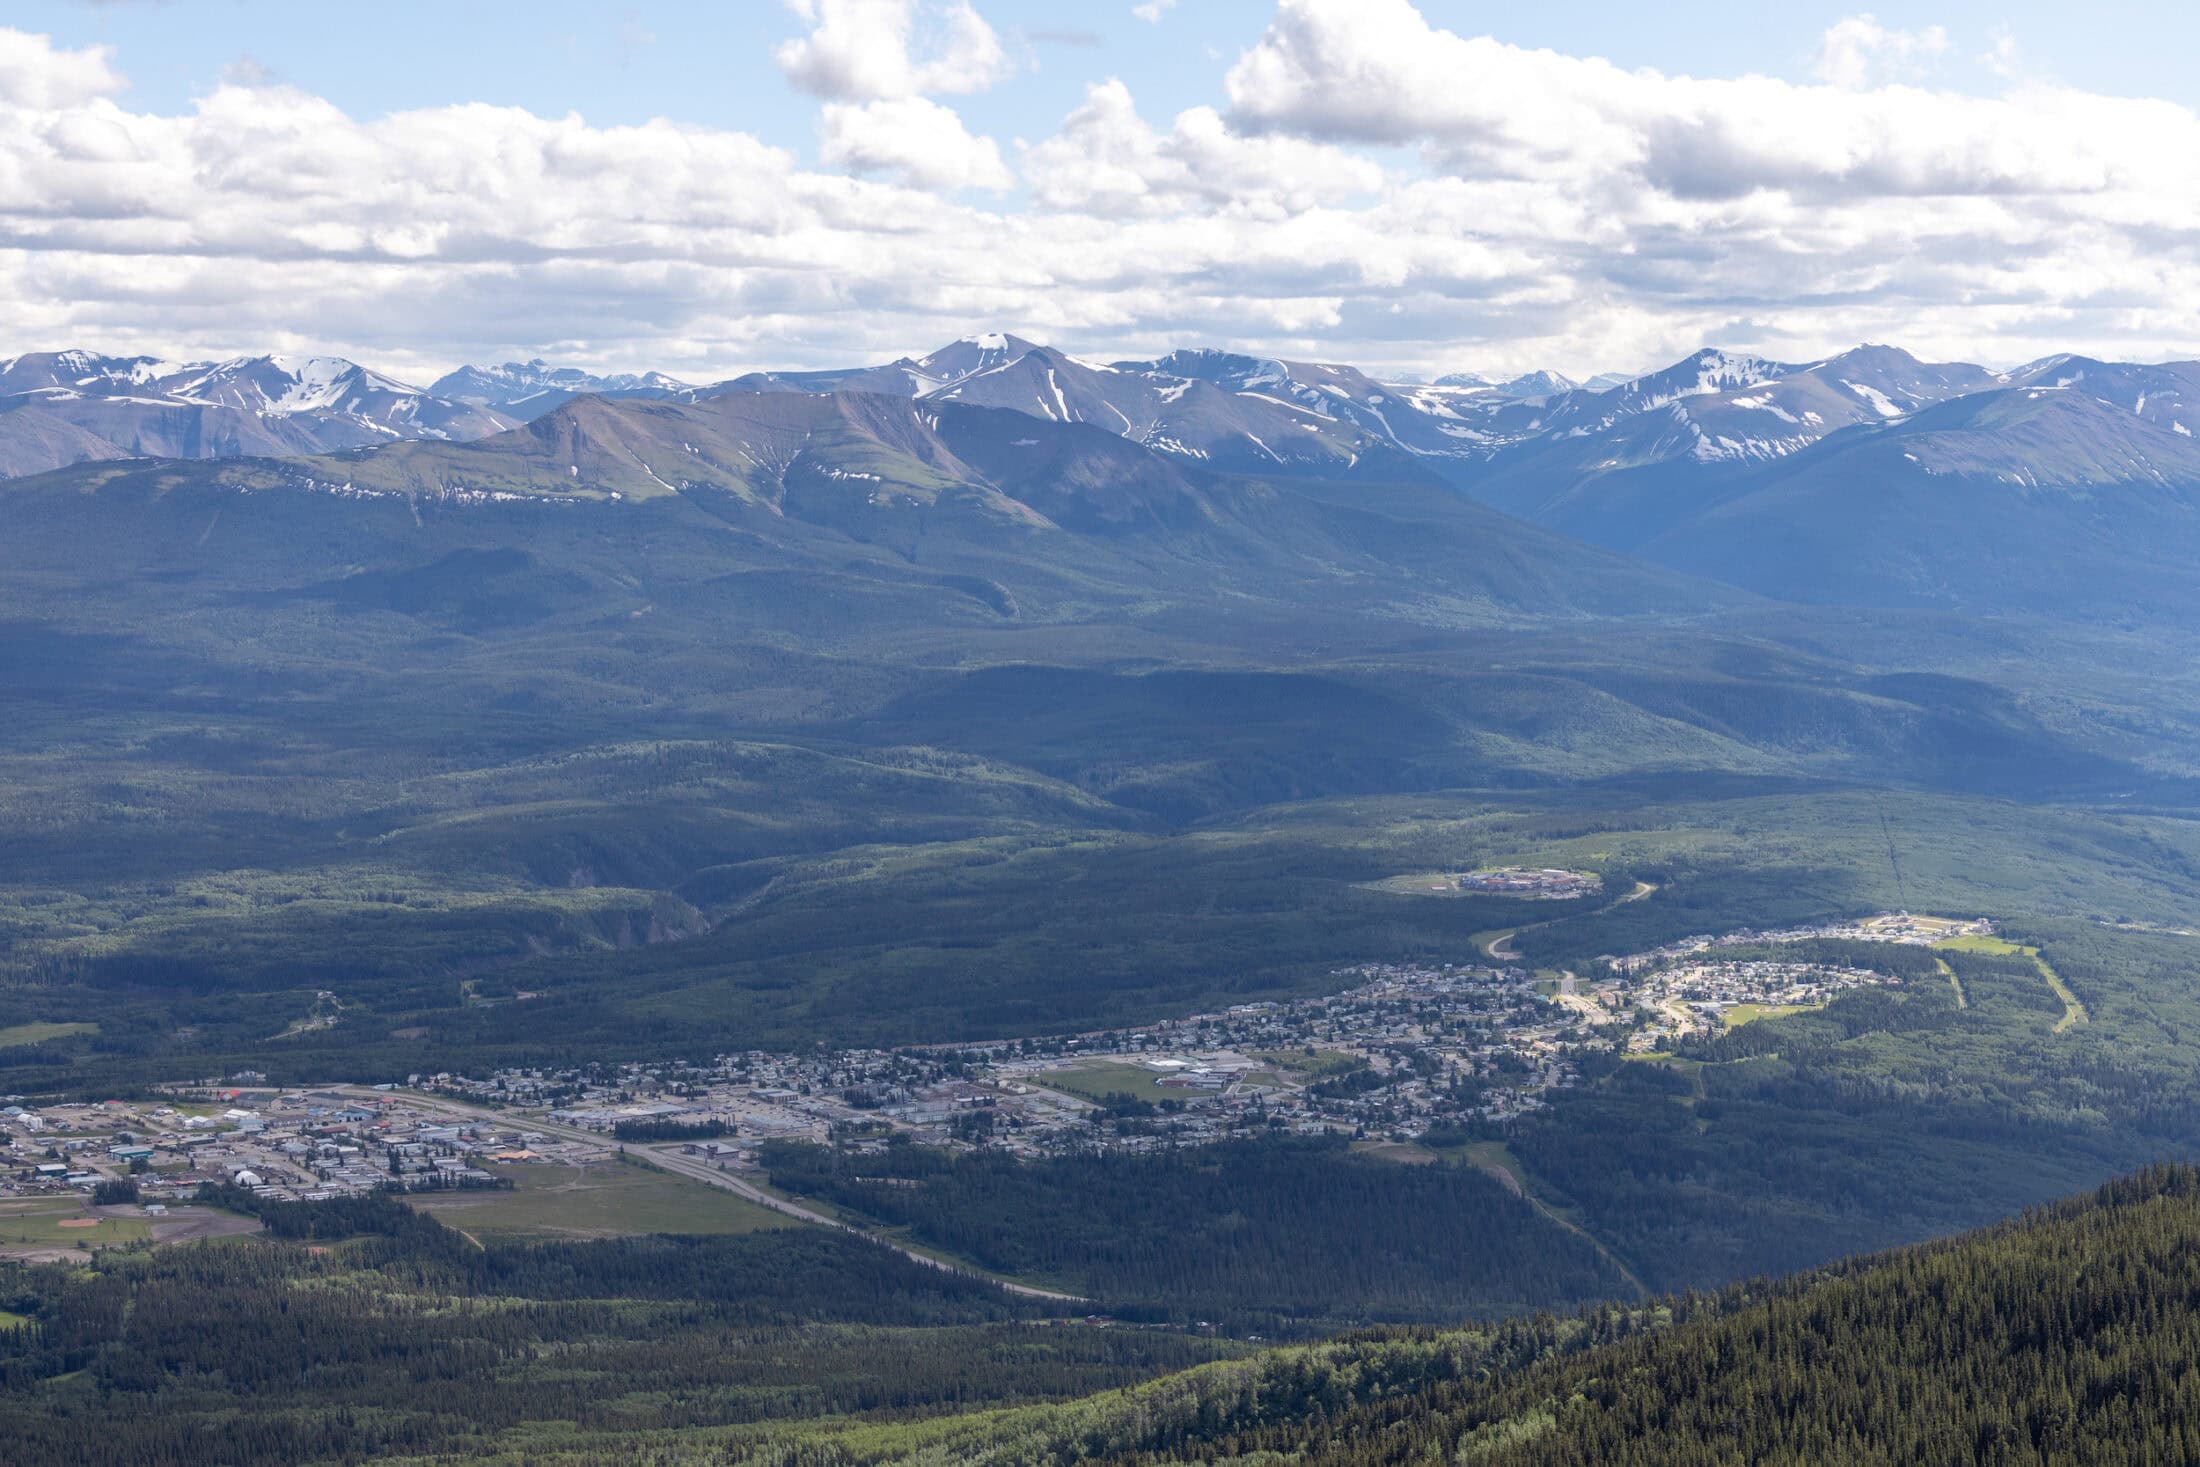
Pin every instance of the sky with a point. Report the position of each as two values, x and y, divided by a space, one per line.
1421 188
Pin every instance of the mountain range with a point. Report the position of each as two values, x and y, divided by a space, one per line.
1870 477
59 408
984 510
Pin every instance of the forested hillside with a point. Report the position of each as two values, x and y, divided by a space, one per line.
363 1332
1280 1237
2064 1337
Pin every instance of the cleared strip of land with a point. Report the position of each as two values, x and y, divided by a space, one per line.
1963 1000
2073 1011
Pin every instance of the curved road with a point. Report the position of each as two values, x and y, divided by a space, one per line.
1500 944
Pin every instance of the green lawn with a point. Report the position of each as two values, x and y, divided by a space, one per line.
1999 946
611 1200
1320 1063
17 1035
37 1223
1743 1013
1420 883
1099 1079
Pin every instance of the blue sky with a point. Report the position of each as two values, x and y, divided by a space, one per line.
1413 185
712 64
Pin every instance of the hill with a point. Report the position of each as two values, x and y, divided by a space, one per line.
2062 1337
361 1331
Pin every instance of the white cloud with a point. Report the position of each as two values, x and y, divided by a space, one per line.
33 73
868 50
913 139
1108 160
1555 210
1151 11
1859 51
1376 71
2001 56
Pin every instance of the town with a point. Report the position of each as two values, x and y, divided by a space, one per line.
1404 1052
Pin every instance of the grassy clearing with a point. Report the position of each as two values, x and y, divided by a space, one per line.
1318 1065
1496 1158
1424 883
1100 1079
1974 943
17 1035
66 1222
1744 1013
617 1199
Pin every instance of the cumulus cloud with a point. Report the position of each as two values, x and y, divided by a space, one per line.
34 74
870 50
1529 208
1859 50
1108 160
912 139
1377 71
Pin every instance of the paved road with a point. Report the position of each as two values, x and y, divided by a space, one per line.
1500 945
698 1170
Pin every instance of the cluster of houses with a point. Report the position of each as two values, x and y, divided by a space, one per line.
297 1145
1548 884
1419 1046
1402 1050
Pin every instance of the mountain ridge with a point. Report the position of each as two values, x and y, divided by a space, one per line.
64 407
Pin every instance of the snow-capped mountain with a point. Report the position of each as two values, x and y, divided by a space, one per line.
1323 391
1710 408
527 390
58 408
331 391
1528 384
2166 394
1229 412
80 372
902 377
1610 460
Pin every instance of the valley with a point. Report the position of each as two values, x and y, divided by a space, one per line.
1071 883
964 733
